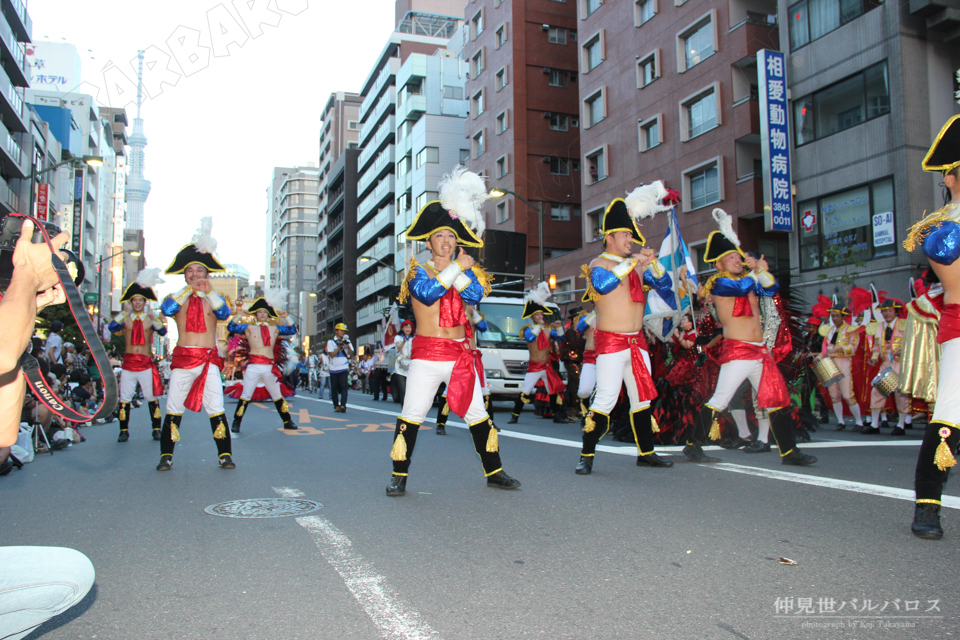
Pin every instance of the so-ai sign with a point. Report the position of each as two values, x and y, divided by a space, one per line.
775 141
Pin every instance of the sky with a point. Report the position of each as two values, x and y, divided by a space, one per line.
214 137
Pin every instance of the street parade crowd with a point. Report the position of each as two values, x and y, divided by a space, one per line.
743 368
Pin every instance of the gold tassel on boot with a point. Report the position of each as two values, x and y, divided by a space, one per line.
654 425
943 458
123 412
220 432
493 443
446 408
174 433
399 451
588 424
715 428
241 408
583 408
156 411
285 407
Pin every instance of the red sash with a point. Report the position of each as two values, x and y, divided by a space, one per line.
636 286
463 377
478 363
949 323
265 336
141 362
554 381
255 359
543 338
772 393
136 334
452 313
741 307
609 342
590 356
184 358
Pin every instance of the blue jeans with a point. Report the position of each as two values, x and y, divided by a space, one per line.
324 383
37 583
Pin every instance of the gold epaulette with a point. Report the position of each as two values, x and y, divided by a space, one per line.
405 287
919 231
522 329
708 285
824 330
872 327
591 293
576 319
484 278
902 324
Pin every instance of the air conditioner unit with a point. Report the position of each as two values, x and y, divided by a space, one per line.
546 114
574 122
546 69
546 159
545 27
573 77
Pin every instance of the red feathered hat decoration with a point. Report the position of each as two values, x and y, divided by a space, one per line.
822 308
860 300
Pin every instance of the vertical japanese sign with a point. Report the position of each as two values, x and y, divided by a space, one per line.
43 200
77 212
775 141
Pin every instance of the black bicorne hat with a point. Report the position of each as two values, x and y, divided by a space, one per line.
191 255
136 289
433 217
944 154
891 303
530 307
261 303
617 218
718 245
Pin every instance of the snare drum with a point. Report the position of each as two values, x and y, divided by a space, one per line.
886 382
827 371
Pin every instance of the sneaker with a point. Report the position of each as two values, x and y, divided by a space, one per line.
226 462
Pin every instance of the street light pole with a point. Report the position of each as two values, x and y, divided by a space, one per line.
499 193
133 252
93 161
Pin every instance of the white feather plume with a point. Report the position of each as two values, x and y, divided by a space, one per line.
202 240
645 202
725 223
276 298
150 277
540 294
463 193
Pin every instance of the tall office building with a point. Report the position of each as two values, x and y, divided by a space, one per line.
295 216
523 130
15 164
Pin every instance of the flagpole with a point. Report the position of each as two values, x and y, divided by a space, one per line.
675 233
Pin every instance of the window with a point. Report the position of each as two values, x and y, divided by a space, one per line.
428 154
501 38
476 65
453 93
501 212
643 10
557 35
477 103
353 125
559 166
594 108
421 201
502 122
464 155
501 78
559 122
589 6
842 105
813 19
648 69
597 165
478 145
697 44
502 167
703 186
593 52
851 226
558 78
700 113
563 212
403 202
477 24
352 145
649 131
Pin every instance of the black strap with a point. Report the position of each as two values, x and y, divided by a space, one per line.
31 368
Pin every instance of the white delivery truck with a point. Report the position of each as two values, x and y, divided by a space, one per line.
504 352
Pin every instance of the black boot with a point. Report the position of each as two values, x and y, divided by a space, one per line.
926 521
642 424
169 435
697 437
218 424
405 439
284 410
397 486
501 480
784 433
757 447
487 445
596 425
155 417
522 399
585 467
123 415
442 416
238 415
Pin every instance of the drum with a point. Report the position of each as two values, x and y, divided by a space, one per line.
827 371
886 382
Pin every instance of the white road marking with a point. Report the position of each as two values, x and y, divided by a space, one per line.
949 502
378 599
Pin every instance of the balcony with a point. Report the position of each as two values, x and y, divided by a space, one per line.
746 121
335 224
369 230
334 251
9 201
751 35
382 279
413 107
13 56
11 105
371 312
380 251
334 281
334 309
12 156
942 16
389 70
19 19
334 197
387 131
750 194
380 165
388 101
383 192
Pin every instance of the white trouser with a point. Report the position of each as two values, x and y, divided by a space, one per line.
530 381
613 370
128 384
254 374
947 408
419 397
180 382
588 380
732 375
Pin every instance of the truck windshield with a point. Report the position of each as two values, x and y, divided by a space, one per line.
504 324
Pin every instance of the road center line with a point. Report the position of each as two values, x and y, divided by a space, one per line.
395 621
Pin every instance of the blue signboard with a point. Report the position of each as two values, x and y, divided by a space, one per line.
775 141
77 211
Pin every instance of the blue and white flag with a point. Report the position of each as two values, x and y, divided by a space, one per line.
663 314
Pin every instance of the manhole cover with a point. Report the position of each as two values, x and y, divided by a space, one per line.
265 508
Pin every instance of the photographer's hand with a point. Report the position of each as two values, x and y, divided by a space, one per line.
34 259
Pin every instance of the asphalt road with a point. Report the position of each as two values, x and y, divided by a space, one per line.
688 552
